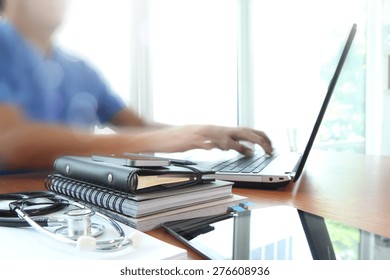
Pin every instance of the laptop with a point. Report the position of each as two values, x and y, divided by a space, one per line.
261 170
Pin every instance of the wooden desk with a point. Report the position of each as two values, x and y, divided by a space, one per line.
349 188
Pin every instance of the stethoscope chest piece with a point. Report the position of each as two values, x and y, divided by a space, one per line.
79 224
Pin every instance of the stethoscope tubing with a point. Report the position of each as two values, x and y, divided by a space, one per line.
23 219
8 217
19 223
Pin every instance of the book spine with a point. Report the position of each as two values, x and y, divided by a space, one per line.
102 197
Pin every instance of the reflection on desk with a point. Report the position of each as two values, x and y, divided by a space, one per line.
273 233
351 243
277 233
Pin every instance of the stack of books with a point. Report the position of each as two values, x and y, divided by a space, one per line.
141 197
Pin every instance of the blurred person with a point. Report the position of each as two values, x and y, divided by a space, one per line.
50 101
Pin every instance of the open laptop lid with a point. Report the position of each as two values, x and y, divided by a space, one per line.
328 95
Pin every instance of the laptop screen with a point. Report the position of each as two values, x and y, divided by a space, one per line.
325 103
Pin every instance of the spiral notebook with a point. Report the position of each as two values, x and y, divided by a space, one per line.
138 205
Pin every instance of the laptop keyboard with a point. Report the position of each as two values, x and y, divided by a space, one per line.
252 164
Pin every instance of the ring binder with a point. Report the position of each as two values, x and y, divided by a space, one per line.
131 179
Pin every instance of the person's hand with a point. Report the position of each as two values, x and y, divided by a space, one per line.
183 138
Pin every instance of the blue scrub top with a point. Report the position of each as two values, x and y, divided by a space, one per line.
56 89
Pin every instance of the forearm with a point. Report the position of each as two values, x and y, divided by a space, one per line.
35 145
38 145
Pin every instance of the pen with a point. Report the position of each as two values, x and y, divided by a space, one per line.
172 160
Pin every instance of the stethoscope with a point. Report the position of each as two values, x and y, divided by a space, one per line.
74 227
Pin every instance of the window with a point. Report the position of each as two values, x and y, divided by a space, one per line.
296 48
193 48
185 55
99 31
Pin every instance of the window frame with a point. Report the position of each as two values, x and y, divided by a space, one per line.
374 117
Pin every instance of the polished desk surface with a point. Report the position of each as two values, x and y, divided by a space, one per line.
350 188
